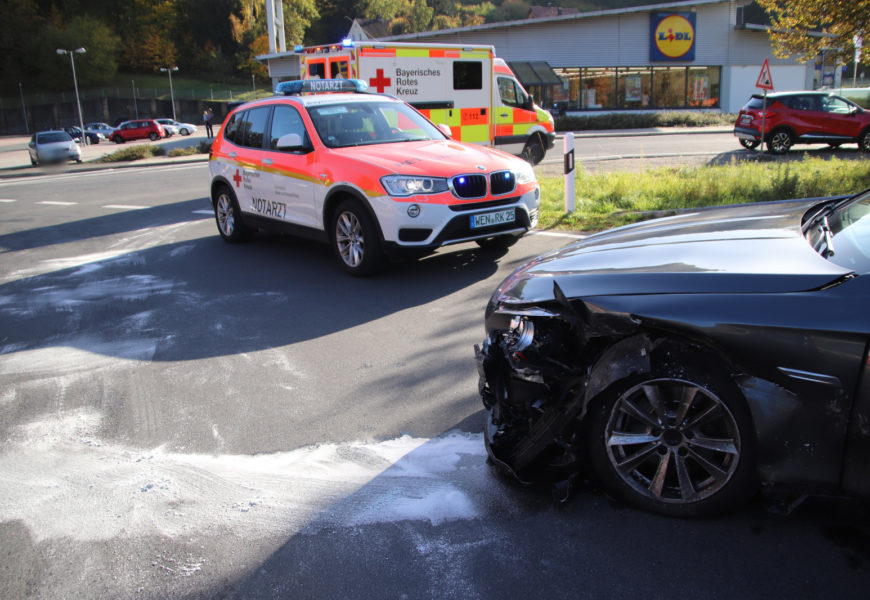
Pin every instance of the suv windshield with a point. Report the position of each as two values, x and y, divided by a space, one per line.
842 235
363 123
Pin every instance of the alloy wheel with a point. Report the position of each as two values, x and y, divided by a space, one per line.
349 238
225 215
672 441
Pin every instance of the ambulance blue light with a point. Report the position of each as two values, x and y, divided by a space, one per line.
312 86
298 48
347 43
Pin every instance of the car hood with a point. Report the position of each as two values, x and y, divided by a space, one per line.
438 158
756 248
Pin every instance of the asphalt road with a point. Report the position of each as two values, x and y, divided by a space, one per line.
182 418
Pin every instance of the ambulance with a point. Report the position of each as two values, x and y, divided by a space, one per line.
463 86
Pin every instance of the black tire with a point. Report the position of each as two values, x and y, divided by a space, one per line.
118 139
780 141
228 216
355 240
153 136
534 150
678 441
501 242
864 141
185 131
749 144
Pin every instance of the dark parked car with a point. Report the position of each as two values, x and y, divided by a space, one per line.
76 134
802 118
686 359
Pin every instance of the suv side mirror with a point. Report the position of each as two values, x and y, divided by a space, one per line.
292 142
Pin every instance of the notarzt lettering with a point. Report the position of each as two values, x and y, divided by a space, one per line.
270 208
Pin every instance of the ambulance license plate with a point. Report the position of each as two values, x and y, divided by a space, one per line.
494 218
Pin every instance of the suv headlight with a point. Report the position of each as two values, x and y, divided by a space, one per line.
524 173
407 185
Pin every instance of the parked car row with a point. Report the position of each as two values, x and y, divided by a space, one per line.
61 145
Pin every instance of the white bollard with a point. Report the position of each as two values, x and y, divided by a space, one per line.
569 173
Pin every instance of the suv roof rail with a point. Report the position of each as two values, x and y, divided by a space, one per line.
313 86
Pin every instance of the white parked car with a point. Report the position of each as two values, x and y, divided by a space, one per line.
182 128
53 147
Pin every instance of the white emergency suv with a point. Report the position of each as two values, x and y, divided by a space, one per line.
463 86
365 172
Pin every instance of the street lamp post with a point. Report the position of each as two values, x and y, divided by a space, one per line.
72 63
23 107
171 92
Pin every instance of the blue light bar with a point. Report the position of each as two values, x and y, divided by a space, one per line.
313 86
347 43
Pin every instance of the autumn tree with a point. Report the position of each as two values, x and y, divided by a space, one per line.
806 28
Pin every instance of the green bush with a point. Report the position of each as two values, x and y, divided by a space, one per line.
631 120
610 199
136 152
188 151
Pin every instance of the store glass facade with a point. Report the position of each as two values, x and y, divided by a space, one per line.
626 88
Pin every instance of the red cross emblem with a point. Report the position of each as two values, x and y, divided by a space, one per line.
237 178
379 81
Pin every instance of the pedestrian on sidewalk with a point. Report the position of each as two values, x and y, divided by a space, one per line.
208 119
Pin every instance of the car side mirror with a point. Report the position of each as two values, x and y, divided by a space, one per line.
445 129
292 142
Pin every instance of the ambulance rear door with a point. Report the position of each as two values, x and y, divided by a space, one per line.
451 86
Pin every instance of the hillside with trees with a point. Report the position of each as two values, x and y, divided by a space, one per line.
215 40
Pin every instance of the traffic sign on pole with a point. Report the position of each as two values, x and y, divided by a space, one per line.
765 81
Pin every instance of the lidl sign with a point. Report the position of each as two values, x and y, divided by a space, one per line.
672 36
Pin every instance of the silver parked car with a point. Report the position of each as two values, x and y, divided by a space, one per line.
53 147
182 128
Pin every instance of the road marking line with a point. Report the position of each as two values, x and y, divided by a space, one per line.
125 206
203 212
8 200
57 203
576 236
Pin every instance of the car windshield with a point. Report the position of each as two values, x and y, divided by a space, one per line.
53 137
841 233
364 123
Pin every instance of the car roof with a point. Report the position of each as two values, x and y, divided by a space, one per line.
322 99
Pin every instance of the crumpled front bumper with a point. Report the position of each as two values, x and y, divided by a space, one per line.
533 406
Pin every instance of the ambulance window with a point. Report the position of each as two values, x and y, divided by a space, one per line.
286 120
467 75
338 69
317 70
511 93
252 127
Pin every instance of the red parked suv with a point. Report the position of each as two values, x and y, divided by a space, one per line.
137 130
802 118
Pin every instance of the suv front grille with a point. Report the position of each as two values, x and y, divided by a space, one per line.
502 182
469 186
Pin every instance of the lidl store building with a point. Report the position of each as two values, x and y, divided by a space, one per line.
706 54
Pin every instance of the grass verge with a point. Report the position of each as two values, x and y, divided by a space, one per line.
611 199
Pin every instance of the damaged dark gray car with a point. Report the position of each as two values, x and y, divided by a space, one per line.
685 360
